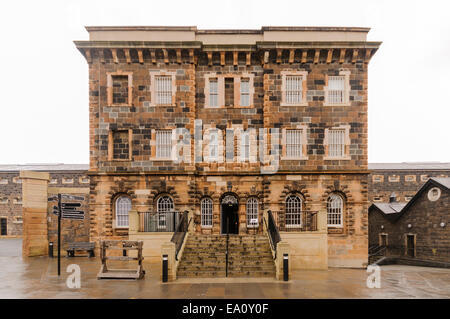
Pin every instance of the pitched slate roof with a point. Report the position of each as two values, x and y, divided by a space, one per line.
389 208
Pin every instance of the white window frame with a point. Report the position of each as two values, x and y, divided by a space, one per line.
332 146
345 89
335 210
294 146
163 143
122 209
245 92
164 205
214 97
206 206
252 212
169 87
293 205
286 87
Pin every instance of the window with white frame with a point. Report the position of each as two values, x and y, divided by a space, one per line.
252 213
213 145
336 89
245 146
294 89
163 144
245 92
164 206
213 92
336 142
335 207
123 206
207 212
293 211
163 89
294 143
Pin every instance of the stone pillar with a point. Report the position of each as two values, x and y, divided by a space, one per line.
133 222
168 249
282 248
34 207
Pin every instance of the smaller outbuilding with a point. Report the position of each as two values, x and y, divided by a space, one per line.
416 232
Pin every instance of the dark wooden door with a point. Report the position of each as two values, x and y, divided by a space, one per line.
410 249
3 227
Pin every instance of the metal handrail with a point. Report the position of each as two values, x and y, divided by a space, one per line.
180 233
272 231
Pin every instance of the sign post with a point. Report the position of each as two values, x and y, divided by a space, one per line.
59 234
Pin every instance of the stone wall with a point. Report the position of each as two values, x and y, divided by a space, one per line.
11 198
405 183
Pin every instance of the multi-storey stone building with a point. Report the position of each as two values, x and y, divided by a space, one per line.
402 179
277 120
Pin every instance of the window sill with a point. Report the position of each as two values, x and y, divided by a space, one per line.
295 104
119 160
207 227
285 158
163 105
161 159
120 104
336 104
335 226
341 158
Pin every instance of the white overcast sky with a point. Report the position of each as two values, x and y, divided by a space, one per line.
44 79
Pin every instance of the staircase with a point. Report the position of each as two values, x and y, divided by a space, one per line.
205 256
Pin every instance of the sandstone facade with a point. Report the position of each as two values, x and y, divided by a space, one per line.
128 106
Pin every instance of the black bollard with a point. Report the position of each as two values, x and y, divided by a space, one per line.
285 267
165 269
50 249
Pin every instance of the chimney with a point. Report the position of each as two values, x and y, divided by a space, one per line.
392 198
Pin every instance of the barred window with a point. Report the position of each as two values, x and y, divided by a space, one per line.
294 89
207 212
163 144
123 206
163 89
252 213
245 92
164 206
294 143
213 92
293 211
335 206
245 146
336 89
213 145
336 143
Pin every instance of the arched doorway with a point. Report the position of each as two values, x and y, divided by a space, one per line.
229 214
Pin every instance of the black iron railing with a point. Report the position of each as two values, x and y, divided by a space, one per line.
295 222
272 231
180 233
159 222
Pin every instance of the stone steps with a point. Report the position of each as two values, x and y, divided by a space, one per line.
205 256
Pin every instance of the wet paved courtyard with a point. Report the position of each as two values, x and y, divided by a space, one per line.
37 278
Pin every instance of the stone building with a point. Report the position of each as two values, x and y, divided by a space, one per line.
62 177
228 124
417 231
402 179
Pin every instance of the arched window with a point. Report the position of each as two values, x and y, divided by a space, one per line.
207 212
293 211
335 207
123 206
252 213
165 209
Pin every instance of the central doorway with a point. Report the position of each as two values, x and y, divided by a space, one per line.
229 215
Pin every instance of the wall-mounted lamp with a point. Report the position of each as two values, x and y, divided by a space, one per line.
409 225
442 224
382 226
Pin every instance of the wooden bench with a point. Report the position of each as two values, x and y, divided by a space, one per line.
80 246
